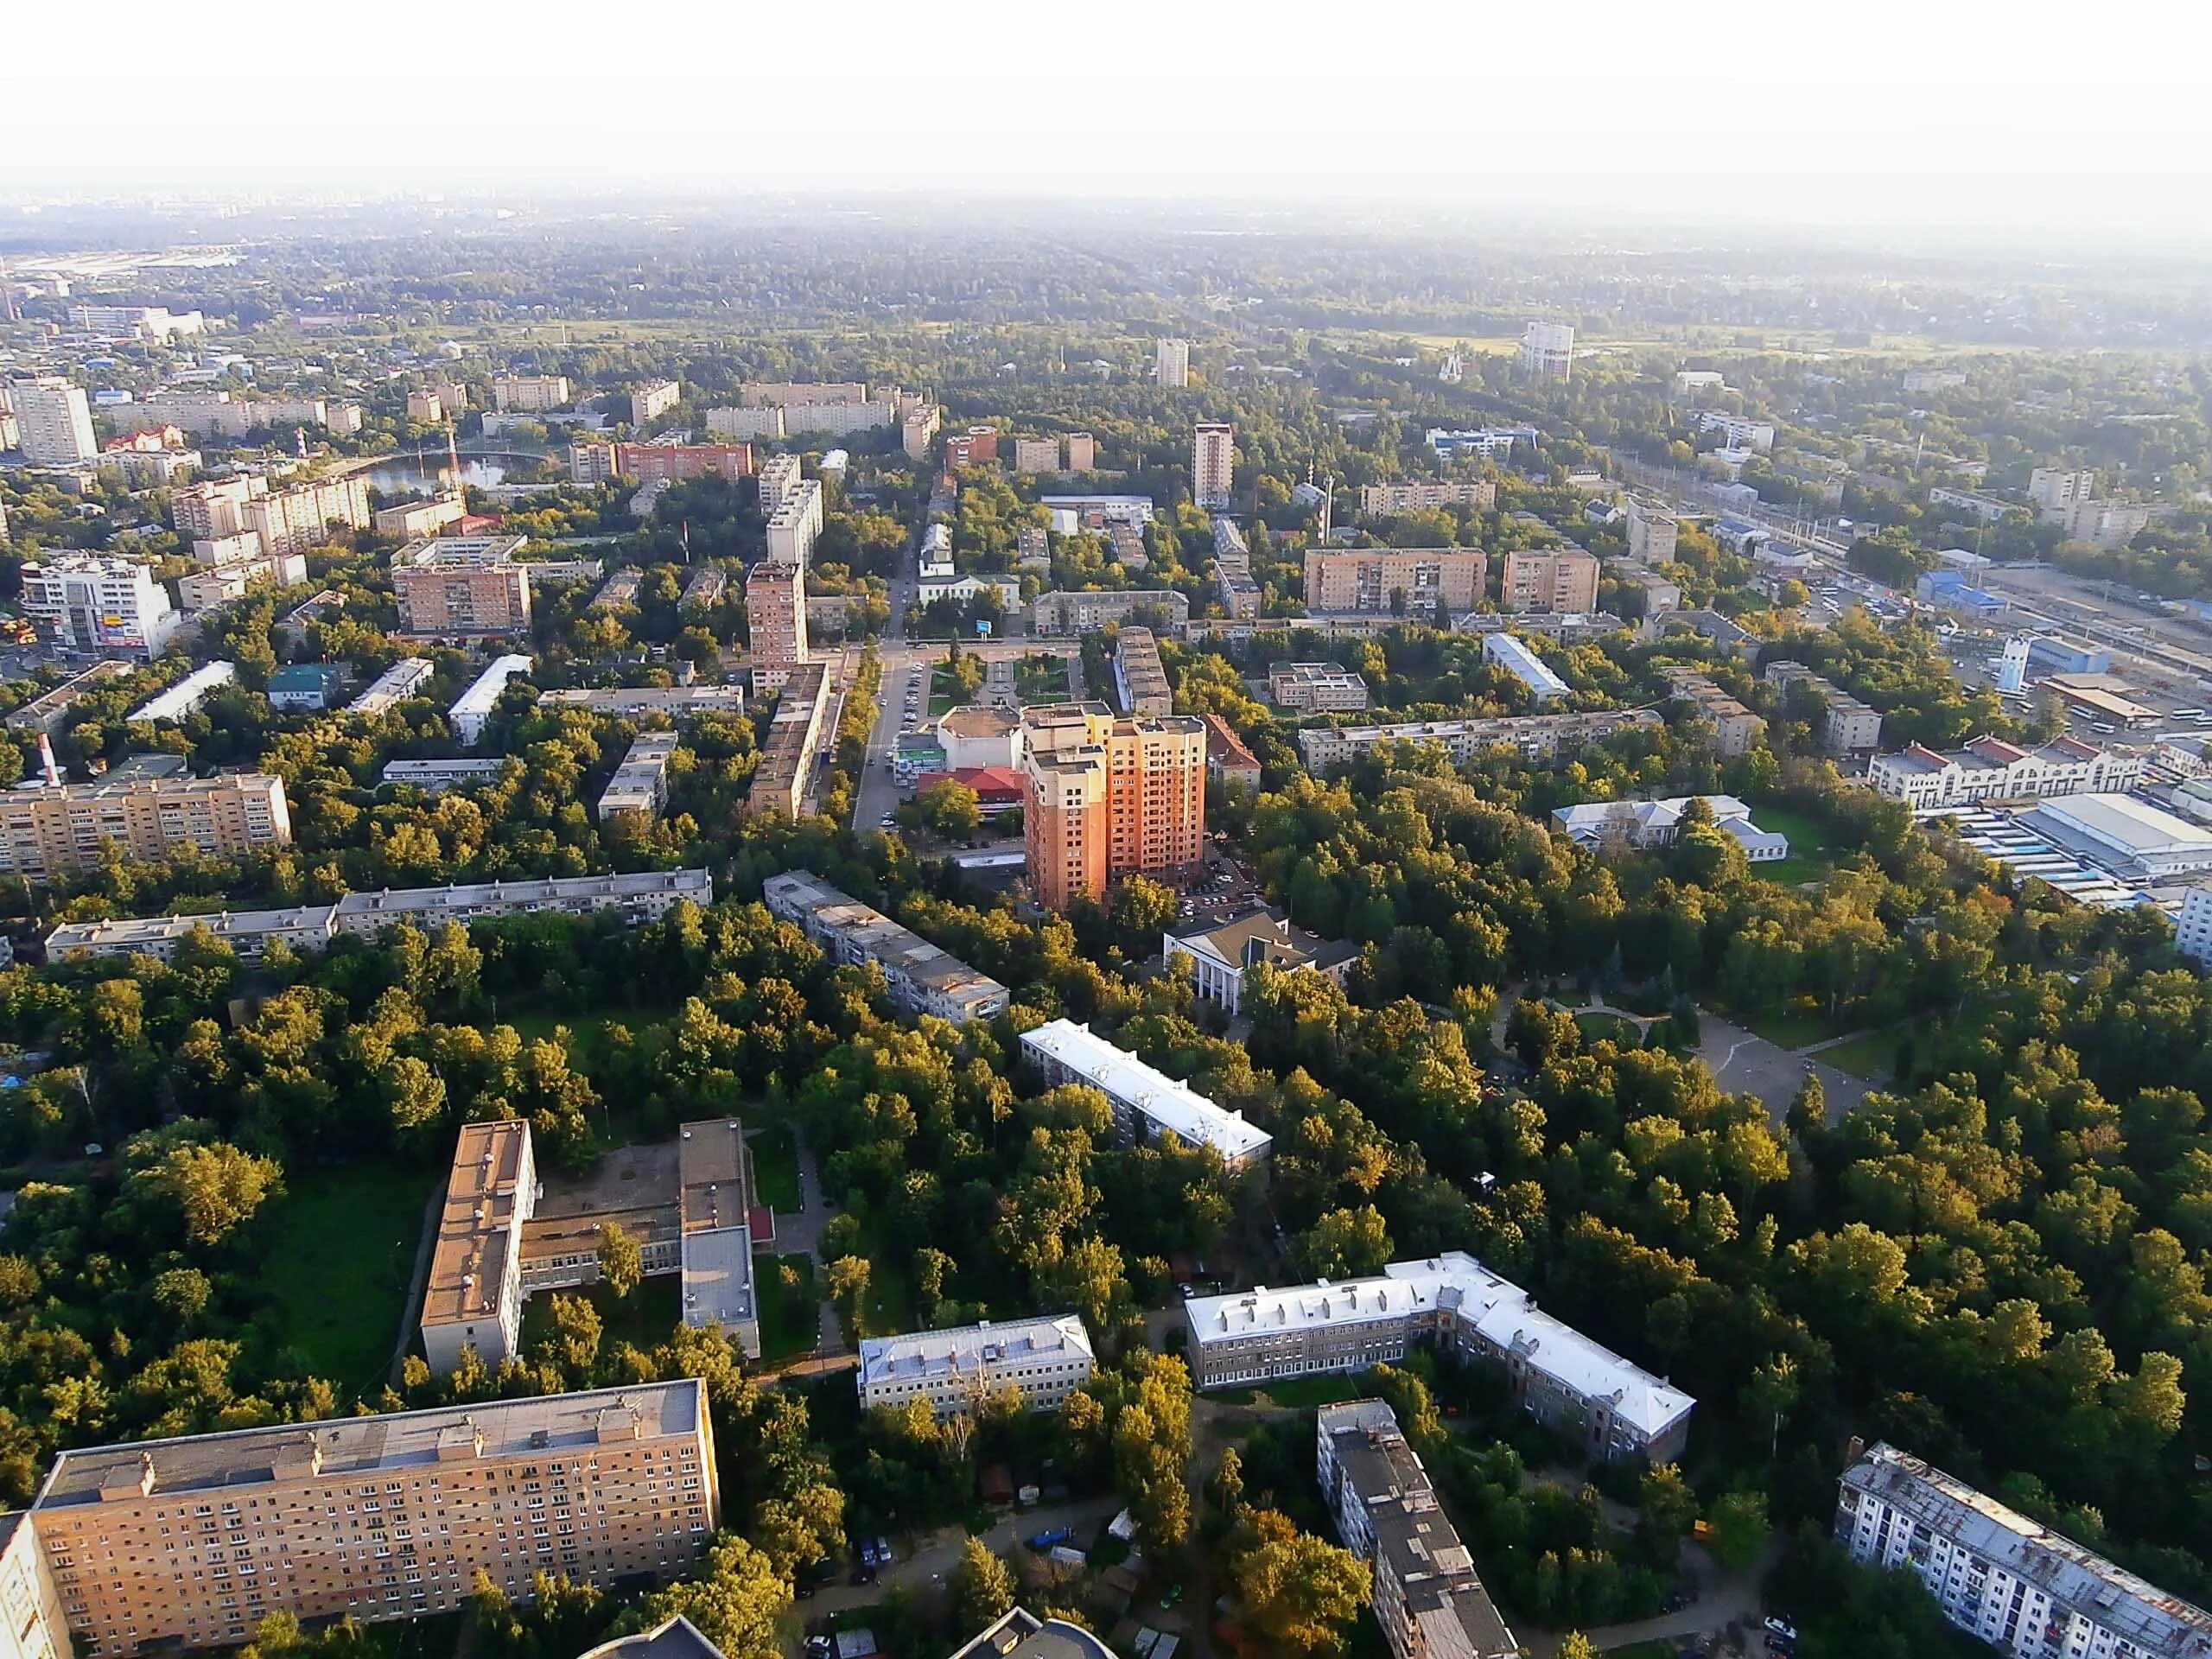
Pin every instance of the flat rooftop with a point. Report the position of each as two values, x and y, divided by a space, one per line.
715 1204
468 1264
363 1446
968 1348
1169 1105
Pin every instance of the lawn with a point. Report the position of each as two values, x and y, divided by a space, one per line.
1869 1056
1601 1027
1810 856
790 1320
1041 679
943 692
775 1168
1793 1027
1304 1393
339 1250
647 1316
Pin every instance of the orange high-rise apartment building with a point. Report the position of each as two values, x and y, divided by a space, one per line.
1110 795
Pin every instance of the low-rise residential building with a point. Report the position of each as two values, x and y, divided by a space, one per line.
1738 431
1548 579
1220 953
1147 1103
472 710
795 735
63 828
179 700
248 932
956 1371
395 686
1652 530
1559 1375
1524 665
1536 737
1401 580
1427 1600
529 394
1847 726
1558 627
631 1469
1736 727
1316 688
920 977
634 899
638 793
1732 636
1646 824
1059 615
1418 495
649 403
1227 761
1997 1575
432 776
1988 508
678 703
1139 680
1990 769
48 711
1487 442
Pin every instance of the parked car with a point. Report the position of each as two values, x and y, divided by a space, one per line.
1055 1535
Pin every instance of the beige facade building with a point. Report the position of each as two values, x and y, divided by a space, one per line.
794 524
462 588
1417 495
1651 532
529 394
1110 795
1552 579
1139 679
1172 363
1548 351
1414 580
775 613
425 408
49 832
1316 688
638 789
1736 727
1086 612
650 403
292 521
35 1626
787 758
412 519
1036 455
54 421
190 1543
214 507
1082 453
1213 463
472 1299
789 394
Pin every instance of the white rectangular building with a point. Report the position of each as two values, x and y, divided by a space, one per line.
1147 1103
188 694
2193 927
394 685
2012 1582
54 421
1990 769
1646 824
638 788
794 524
1524 665
1536 737
1559 1375
473 706
956 1371
431 776
92 602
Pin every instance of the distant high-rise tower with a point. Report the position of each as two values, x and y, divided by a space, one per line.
1548 351
56 422
1454 370
2012 666
1213 463
1175 363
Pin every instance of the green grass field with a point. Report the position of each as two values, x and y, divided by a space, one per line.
1603 1027
1793 1027
339 1250
1869 1056
775 1168
1810 856
790 1318
1303 1393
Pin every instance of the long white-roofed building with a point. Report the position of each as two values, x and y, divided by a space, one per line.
472 708
921 977
1147 1103
2013 1582
1560 1376
956 1371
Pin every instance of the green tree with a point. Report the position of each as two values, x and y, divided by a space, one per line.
980 1586
212 1189
1299 1591
948 808
736 1602
621 1260
1739 1528
1345 1243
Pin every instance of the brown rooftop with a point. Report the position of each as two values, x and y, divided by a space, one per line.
476 1229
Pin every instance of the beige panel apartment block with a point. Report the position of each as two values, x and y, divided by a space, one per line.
191 1541
1412 579
1555 579
473 1296
47 832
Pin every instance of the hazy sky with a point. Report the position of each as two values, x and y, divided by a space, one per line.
1876 111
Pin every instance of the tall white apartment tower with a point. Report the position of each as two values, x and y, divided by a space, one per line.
56 422
1548 351
1175 363
1213 463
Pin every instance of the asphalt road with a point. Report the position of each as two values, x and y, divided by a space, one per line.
923 1564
